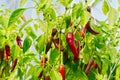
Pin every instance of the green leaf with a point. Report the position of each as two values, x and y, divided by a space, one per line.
65 2
15 51
105 7
26 44
15 15
77 10
67 21
30 32
55 75
34 71
112 17
22 2
53 56
85 18
40 43
49 14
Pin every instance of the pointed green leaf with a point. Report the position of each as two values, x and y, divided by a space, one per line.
65 2
105 7
112 17
30 32
26 44
55 75
53 56
15 51
15 15
40 43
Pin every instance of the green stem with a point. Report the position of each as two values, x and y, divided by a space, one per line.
113 68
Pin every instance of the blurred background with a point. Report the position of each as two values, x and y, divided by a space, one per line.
96 10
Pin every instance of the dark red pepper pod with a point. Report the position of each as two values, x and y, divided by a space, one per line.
49 43
61 69
83 31
95 65
14 62
18 40
7 49
71 44
90 29
57 44
40 75
54 31
6 56
89 65
89 9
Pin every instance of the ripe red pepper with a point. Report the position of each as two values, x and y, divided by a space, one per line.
7 48
90 29
83 31
95 65
71 44
14 62
61 69
57 44
40 75
90 63
54 31
79 47
6 56
18 40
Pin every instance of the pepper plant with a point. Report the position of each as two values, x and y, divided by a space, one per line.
73 45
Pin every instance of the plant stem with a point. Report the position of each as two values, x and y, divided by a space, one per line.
113 68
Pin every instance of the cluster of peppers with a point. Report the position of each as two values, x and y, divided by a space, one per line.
75 49
6 53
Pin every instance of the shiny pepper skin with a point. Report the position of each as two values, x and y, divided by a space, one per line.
14 62
61 69
7 49
89 65
18 40
71 44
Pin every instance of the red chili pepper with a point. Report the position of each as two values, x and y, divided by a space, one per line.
6 56
54 31
57 44
90 29
40 75
61 69
95 65
7 48
89 9
90 63
18 40
71 44
83 31
14 62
